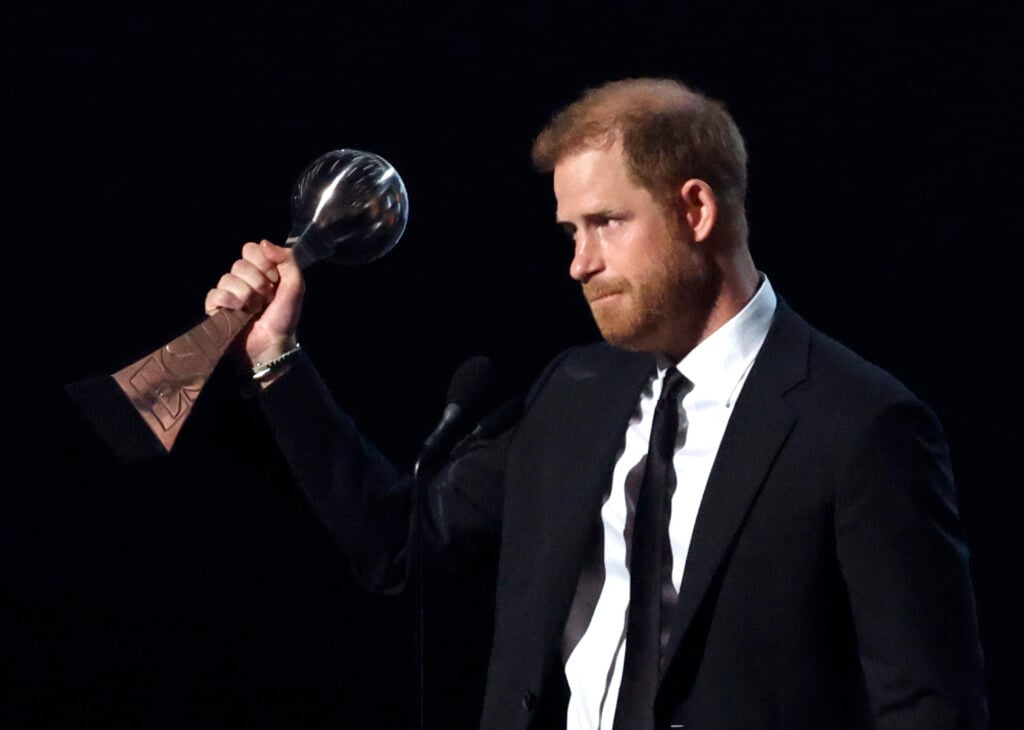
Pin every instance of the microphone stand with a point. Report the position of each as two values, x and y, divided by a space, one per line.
421 478
473 386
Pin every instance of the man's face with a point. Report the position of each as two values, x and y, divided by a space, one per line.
640 271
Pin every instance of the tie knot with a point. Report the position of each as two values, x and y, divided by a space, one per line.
672 383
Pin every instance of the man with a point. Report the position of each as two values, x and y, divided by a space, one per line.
812 572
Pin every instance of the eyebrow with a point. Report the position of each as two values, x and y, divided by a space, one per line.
601 214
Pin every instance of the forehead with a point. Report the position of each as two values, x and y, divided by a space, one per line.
593 179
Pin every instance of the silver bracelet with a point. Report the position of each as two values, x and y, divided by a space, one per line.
262 370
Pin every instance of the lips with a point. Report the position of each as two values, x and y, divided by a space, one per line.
595 292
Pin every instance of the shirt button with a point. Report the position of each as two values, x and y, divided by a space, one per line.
528 701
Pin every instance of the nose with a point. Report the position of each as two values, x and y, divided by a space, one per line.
586 260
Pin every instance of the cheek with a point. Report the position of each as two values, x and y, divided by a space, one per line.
624 247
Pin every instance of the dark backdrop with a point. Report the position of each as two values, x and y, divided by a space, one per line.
146 144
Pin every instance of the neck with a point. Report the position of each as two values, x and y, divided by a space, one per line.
733 285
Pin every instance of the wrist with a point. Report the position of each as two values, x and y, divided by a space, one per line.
272 349
275 362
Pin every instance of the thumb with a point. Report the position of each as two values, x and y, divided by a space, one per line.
283 311
287 267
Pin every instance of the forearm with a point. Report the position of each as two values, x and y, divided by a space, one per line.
363 499
367 502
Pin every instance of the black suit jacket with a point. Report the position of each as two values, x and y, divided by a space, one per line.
827 581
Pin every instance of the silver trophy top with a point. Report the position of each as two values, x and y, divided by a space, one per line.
348 206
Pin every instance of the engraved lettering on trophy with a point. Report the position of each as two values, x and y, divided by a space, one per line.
214 334
158 393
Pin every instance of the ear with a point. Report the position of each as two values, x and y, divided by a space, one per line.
700 208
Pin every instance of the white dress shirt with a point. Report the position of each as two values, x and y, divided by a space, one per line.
717 368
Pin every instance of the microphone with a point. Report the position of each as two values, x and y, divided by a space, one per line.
474 387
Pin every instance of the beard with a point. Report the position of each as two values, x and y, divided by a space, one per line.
665 305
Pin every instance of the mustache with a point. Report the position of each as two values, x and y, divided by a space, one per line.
596 289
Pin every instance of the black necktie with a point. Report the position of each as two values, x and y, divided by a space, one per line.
647 567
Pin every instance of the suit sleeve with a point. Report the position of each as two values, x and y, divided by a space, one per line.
905 563
366 502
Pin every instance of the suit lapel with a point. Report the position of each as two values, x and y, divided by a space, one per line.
579 470
558 468
757 430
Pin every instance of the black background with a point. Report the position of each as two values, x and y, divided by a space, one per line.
145 144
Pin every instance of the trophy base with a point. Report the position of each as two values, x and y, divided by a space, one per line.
139 410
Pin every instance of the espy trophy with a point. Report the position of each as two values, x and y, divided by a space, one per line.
347 206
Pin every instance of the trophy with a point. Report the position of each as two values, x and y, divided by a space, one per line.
347 206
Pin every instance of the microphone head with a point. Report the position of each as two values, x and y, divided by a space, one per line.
475 386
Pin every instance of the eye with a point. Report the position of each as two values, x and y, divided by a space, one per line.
606 220
569 230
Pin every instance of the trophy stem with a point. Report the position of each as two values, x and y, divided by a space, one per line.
163 386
